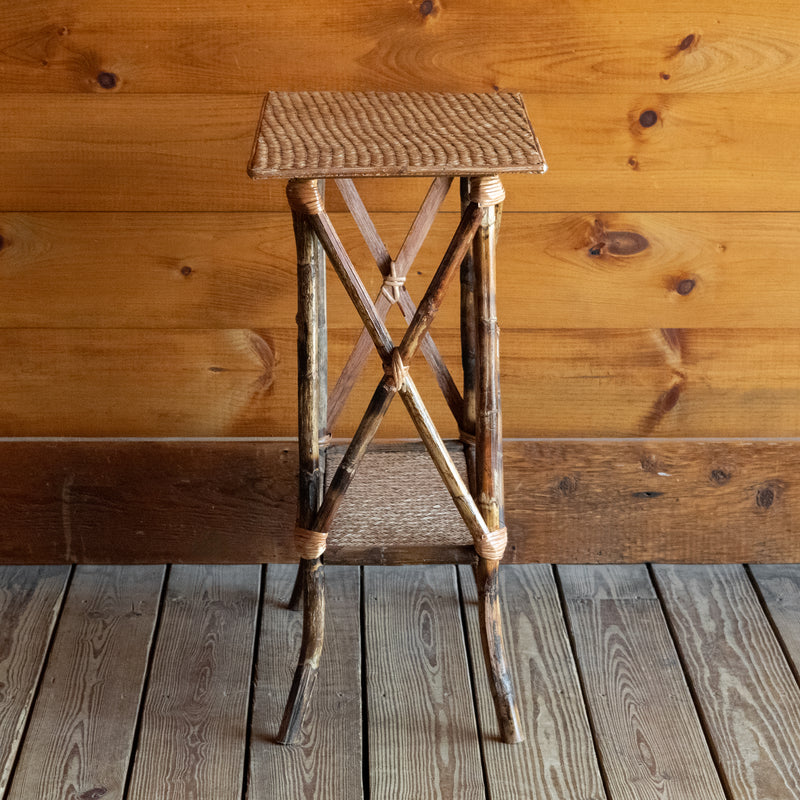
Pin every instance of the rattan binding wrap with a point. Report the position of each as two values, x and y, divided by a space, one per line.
351 134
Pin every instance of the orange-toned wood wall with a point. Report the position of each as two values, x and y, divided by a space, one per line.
649 281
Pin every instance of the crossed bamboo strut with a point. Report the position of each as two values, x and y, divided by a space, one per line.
310 136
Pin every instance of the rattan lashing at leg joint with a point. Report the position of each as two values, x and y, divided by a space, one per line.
486 190
492 545
309 544
304 196
392 284
396 369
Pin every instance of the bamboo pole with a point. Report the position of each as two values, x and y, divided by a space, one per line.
468 352
311 389
312 370
435 446
305 674
489 452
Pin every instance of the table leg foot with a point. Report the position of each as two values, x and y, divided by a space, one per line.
313 591
494 652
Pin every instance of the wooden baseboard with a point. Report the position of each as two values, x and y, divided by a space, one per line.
567 501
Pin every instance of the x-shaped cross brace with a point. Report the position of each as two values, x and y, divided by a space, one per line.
304 198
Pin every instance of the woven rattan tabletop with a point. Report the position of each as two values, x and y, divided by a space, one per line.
372 134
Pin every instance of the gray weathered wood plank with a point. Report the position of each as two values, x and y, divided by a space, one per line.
81 732
557 760
648 733
194 724
30 599
328 761
779 585
423 738
745 688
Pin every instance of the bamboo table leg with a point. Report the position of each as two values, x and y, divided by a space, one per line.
312 413
489 452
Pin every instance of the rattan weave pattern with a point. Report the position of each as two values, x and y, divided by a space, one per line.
363 134
397 498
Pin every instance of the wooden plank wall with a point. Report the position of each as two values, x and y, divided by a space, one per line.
648 282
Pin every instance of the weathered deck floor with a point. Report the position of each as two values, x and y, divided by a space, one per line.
634 683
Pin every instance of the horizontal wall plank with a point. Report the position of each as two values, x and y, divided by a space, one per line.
609 501
674 46
153 152
670 382
237 270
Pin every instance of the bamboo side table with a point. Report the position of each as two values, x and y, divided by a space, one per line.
306 137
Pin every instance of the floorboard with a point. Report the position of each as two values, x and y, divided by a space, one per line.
194 724
328 761
148 682
79 741
30 600
779 586
556 761
649 737
748 695
422 732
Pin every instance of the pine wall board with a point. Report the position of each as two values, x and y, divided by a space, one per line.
648 282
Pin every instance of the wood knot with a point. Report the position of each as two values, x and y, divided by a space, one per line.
720 476
687 42
304 197
94 794
619 243
107 80
685 286
486 190
426 8
567 486
648 118
766 496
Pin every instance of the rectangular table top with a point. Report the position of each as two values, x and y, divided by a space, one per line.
387 134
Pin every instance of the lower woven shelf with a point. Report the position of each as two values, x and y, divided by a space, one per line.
397 509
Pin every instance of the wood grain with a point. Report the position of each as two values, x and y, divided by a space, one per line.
174 152
648 734
422 731
748 695
677 47
555 383
234 502
327 763
237 270
779 587
83 723
194 723
556 761
30 600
